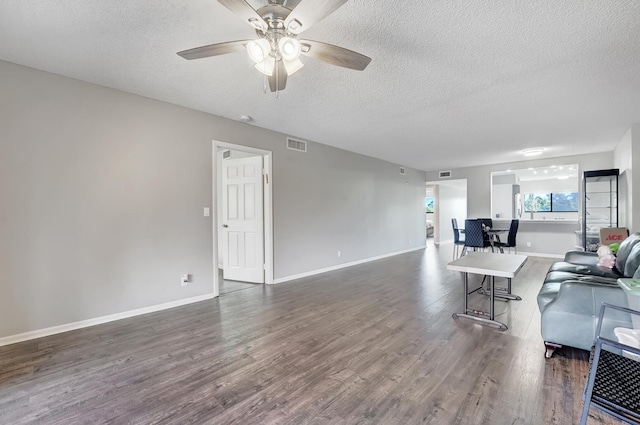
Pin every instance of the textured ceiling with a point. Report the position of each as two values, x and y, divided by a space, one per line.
451 84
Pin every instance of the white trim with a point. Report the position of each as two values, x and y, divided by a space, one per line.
344 265
12 339
541 254
268 209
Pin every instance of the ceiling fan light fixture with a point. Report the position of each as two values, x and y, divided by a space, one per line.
257 24
266 66
258 50
289 48
294 25
292 66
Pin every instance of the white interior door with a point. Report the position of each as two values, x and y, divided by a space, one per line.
242 219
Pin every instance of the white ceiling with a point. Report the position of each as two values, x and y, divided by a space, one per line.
451 84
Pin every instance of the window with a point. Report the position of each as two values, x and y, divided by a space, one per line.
537 202
564 202
551 202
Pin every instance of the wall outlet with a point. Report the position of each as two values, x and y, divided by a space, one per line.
339 254
528 244
185 280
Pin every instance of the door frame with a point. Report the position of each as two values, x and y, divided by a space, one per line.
267 204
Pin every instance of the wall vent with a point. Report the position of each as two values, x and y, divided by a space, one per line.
403 171
226 154
445 174
296 145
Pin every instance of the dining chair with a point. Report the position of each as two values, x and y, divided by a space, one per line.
457 242
474 236
511 237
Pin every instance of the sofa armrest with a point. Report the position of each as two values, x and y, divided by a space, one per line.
581 257
581 297
572 316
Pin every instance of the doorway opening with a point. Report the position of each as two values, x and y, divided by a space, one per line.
450 201
242 217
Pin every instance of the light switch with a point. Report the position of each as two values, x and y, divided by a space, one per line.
206 212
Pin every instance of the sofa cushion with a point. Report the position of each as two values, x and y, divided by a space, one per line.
559 276
581 257
594 270
633 261
625 249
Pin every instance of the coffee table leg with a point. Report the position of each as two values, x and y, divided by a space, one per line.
493 297
466 292
466 311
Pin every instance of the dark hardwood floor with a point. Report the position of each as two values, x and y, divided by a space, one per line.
370 344
228 286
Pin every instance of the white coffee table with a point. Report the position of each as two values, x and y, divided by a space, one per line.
490 264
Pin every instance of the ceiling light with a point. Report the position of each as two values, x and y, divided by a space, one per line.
294 25
289 48
533 151
266 66
258 49
563 177
245 118
292 66
257 24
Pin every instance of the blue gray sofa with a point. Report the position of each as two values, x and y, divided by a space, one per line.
573 290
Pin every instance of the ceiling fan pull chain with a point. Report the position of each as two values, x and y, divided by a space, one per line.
264 84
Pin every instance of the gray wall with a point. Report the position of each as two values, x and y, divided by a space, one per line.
102 195
627 158
545 238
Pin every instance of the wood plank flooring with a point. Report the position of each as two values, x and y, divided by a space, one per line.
370 344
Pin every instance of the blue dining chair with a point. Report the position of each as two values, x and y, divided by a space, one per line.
511 237
474 236
457 242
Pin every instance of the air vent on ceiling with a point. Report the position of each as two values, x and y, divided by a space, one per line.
403 171
296 145
445 174
226 154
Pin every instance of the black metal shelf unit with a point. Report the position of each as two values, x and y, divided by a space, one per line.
599 206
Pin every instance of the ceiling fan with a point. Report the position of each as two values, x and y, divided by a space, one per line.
277 49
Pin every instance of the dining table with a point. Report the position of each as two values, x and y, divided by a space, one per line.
494 237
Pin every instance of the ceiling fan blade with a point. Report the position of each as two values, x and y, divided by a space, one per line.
308 12
334 55
214 49
278 80
245 12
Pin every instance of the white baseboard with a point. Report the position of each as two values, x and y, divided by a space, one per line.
12 339
541 254
342 266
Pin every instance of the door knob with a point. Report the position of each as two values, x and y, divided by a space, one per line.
225 225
